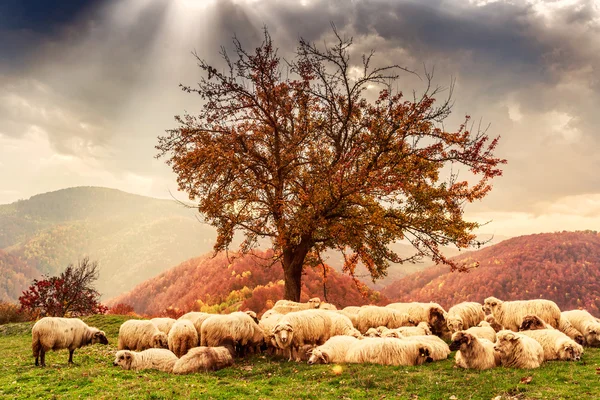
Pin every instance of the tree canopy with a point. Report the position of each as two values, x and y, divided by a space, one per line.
295 152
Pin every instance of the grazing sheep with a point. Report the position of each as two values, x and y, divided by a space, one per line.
483 331
203 359
473 352
182 337
163 324
585 323
518 351
373 316
267 323
493 323
510 314
160 359
53 333
432 313
556 345
387 351
333 351
438 349
140 335
198 320
297 329
565 327
464 316
420 330
239 326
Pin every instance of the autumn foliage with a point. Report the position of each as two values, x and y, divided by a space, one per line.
220 284
563 267
69 294
296 152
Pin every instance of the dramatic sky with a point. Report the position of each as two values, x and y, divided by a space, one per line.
87 86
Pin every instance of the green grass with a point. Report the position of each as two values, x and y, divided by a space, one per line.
263 377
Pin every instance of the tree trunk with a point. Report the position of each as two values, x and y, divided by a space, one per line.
293 263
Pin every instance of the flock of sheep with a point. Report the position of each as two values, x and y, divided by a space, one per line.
518 334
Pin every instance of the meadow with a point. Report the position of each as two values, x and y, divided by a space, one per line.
263 377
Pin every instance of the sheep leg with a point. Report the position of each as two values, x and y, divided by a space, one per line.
42 357
71 356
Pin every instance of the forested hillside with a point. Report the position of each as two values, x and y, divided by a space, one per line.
250 282
564 267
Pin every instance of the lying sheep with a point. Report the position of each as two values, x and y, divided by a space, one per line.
287 306
297 329
438 349
203 359
565 327
333 351
373 316
140 335
510 314
473 352
483 331
556 345
493 323
239 326
160 359
533 323
387 351
518 351
432 313
422 329
373 332
464 316
182 337
585 323
53 333
163 324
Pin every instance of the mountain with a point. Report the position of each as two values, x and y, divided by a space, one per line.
563 267
132 237
250 282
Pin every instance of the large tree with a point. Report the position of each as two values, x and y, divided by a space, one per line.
295 152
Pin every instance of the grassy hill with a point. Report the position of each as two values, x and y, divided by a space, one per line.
264 377
562 266
132 237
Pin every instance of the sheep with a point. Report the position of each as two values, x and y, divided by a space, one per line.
163 324
294 330
510 314
585 323
565 327
341 325
287 306
556 345
197 321
532 323
160 359
438 349
194 315
387 351
518 351
267 323
420 330
140 335
373 316
372 332
62 333
432 313
483 331
464 316
333 351
353 316
203 359
493 323
239 326
473 352
182 337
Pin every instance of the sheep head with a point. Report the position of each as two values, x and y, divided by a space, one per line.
372 332
491 304
591 333
99 337
424 356
160 341
454 324
459 339
123 358
284 332
505 341
315 302
318 357
570 352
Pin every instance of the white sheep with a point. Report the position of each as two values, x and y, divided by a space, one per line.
341 325
565 327
194 315
239 326
585 323
352 313
422 329
556 345
438 349
297 329
203 359
333 351
139 335
373 316
387 351
432 313
474 352
182 337
160 359
54 333
483 331
287 306
510 314
464 316
518 351
163 324
373 332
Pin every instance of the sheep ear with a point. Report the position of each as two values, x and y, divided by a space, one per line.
423 351
325 358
